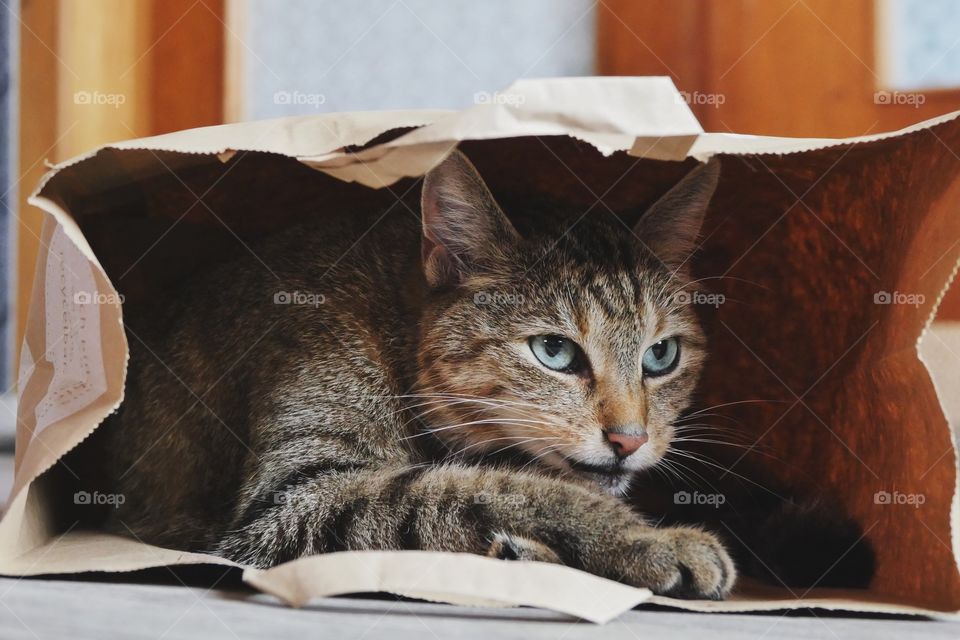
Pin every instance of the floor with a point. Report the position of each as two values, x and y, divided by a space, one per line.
40 609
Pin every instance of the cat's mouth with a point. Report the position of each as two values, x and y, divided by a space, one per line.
612 478
613 469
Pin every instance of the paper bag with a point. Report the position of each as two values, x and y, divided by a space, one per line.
829 257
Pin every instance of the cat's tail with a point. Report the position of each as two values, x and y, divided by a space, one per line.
806 544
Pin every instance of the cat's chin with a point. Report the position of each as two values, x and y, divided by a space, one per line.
615 485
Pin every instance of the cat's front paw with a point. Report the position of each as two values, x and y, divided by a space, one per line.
505 546
683 563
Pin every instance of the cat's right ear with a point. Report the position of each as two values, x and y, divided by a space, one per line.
464 230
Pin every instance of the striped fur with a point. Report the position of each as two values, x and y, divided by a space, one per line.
400 407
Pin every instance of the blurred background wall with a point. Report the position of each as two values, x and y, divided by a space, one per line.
93 71
387 54
7 158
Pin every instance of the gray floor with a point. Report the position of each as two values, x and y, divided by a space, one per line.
35 609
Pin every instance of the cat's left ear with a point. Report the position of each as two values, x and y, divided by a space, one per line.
671 226
464 229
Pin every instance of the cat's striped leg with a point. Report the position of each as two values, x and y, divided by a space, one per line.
470 509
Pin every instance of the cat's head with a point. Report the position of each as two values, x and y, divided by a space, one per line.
568 348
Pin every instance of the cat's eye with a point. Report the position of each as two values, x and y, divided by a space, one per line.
661 358
558 353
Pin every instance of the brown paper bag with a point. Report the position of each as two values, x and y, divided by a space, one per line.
833 255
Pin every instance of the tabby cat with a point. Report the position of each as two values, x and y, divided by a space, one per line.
442 384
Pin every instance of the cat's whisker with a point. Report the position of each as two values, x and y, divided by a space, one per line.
486 405
703 478
737 402
516 444
713 432
710 430
684 284
726 444
666 470
734 278
675 469
705 425
729 471
709 415
543 454
688 469
441 405
532 424
448 402
699 457
467 397
445 403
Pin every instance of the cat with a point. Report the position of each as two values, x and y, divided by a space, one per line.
440 383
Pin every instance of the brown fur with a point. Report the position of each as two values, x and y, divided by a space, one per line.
393 402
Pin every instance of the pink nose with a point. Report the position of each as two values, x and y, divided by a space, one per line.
626 443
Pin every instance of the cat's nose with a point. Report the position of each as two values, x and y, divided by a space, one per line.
625 442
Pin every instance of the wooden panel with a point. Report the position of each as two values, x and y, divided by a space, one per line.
770 67
782 67
104 94
97 71
187 64
644 38
38 116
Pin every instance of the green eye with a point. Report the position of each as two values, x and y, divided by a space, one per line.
557 353
661 358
